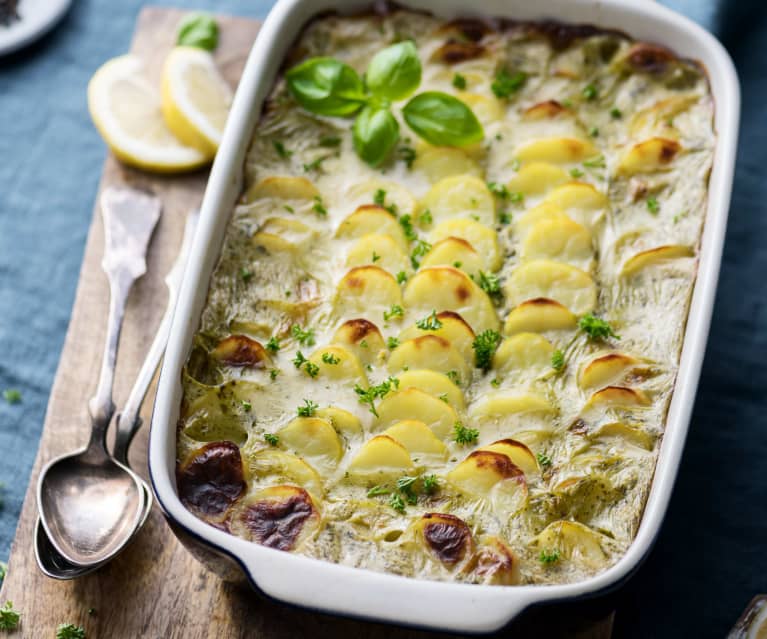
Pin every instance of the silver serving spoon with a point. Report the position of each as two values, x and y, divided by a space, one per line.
89 503
128 422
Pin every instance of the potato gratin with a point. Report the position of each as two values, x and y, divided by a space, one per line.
455 365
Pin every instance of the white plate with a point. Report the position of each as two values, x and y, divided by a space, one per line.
37 17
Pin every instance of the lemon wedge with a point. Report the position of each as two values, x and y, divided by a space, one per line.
195 98
125 108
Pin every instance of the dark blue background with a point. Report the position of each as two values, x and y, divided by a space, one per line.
710 557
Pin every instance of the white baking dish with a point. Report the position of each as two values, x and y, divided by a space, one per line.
340 589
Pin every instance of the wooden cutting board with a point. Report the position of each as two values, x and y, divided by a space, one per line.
155 589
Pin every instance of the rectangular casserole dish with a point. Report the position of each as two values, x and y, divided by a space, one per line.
343 590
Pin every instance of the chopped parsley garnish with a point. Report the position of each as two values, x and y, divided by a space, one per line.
596 328
590 92
395 311
307 410
499 190
12 395
270 439
515 197
444 398
505 83
281 150
652 205
288 208
364 343
485 345
495 383
246 274
401 277
407 155
273 345
504 217
557 360
375 257
312 369
425 218
406 222
489 283
548 556
319 207
544 461
329 358
379 197
69 631
9 618
421 248
378 490
597 162
304 337
392 343
576 173
299 360
406 485
330 141
463 435
370 394
246 405
679 216
429 323
454 377
315 165
430 483
396 502
594 132
616 113
457 264
459 82
273 373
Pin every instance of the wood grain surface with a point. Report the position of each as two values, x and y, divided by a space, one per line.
156 589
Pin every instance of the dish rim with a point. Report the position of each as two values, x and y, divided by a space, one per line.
334 588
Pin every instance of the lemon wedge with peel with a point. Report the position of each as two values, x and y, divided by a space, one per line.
126 110
195 98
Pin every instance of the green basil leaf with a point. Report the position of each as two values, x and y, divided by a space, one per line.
326 86
443 120
375 133
198 30
395 72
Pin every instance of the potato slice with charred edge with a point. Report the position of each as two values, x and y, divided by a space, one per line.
453 328
493 476
494 563
618 430
537 178
282 188
380 459
519 454
458 253
432 352
314 440
338 363
367 289
211 480
417 437
655 256
545 110
574 541
396 197
381 250
650 156
413 403
369 219
579 201
487 109
557 150
528 354
440 162
433 383
443 288
457 50
460 196
538 316
605 369
502 403
483 240
446 537
561 240
276 466
618 397
342 420
279 234
240 351
281 517
362 337
568 285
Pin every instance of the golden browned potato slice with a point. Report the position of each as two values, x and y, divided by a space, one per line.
568 285
418 438
525 354
444 288
380 459
440 162
395 196
519 454
458 253
435 384
271 465
338 364
618 397
239 351
487 109
573 541
314 440
624 432
446 537
656 118
502 403
655 256
362 338
561 240
281 517
605 369
281 234
494 563
460 196
366 290
453 328
537 178
483 239
545 110
342 420
538 316
282 188
580 201
413 403
650 156
381 250
493 476
556 150
544 212
368 219
432 352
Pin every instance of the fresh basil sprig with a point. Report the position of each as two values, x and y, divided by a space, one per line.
198 30
327 86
